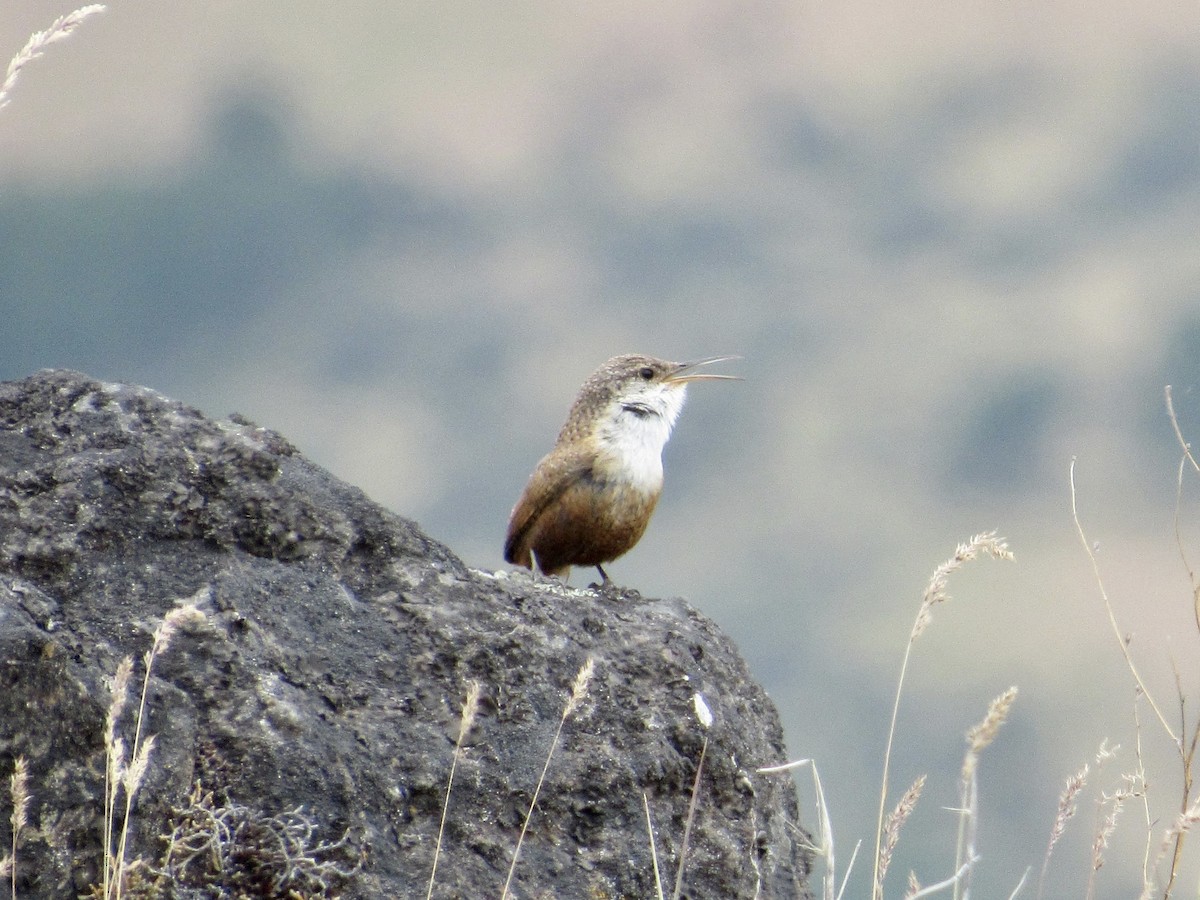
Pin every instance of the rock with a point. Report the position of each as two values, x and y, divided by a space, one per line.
306 725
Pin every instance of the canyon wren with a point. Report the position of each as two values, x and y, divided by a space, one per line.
590 498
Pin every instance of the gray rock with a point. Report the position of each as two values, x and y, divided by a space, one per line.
318 702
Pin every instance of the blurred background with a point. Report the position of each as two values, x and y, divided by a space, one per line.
955 243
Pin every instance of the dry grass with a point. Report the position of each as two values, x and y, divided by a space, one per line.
123 779
469 710
1067 806
1163 856
979 738
1161 869
1109 808
579 691
1183 735
35 47
891 829
658 887
824 848
18 793
935 594
705 717
1172 838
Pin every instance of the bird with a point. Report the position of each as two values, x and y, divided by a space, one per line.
590 498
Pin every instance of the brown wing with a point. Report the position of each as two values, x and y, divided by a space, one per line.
550 480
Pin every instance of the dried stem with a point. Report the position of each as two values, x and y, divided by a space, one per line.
1180 544
891 829
36 46
979 738
824 848
658 888
953 881
706 719
1183 823
1187 448
578 694
18 791
118 775
1066 809
687 825
114 760
935 593
1122 641
469 710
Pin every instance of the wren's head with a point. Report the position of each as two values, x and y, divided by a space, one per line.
635 388
628 407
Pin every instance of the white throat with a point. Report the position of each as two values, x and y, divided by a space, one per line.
634 433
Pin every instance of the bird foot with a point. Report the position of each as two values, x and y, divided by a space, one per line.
607 585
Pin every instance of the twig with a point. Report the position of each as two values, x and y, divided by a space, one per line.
1112 618
1187 448
1141 774
1187 456
849 868
1184 822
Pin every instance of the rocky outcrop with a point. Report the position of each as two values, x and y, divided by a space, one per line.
306 723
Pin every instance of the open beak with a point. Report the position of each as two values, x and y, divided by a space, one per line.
687 371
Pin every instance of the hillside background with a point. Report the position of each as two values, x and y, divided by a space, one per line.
955 243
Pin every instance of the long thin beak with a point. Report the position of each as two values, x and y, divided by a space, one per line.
687 371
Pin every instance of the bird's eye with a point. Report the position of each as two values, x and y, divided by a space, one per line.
646 373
